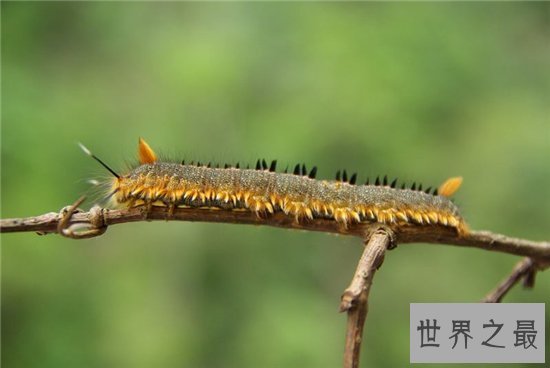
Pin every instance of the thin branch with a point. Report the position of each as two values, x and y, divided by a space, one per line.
524 269
75 223
355 297
49 222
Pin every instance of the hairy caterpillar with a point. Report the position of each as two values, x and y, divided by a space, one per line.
264 191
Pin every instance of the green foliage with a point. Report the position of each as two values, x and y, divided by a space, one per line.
421 91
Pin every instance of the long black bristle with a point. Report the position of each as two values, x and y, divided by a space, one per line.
105 165
297 169
428 190
304 170
198 164
344 176
238 165
385 180
413 187
313 172
377 181
273 166
226 166
286 170
420 187
367 182
403 186
435 192
209 165
87 151
183 162
258 165
264 164
338 175
393 183
248 166
353 179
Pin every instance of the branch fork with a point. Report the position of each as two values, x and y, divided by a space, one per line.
355 298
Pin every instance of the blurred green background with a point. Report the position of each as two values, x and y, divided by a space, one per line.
420 91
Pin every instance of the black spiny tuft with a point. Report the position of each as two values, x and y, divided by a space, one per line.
420 187
209 165
264 164
237 166
273 166
258 165
377 181
286 170
297 169
338 176
183 162
393 183
435 192
385 181
226 166
353 179
199 164
413 187
367 182
403 186
428 190
313 172
344 176
304 170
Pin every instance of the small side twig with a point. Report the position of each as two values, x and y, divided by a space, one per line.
355 298
524 269
97 224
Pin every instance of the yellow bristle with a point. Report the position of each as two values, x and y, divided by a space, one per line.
402 216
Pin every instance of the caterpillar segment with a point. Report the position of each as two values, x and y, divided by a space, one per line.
265 191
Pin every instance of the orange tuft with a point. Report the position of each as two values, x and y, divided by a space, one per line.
146 154
450 186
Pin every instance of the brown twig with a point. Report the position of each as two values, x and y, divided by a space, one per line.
49 222
74 223
524 269
355 297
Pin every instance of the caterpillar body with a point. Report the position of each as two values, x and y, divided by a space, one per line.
264 191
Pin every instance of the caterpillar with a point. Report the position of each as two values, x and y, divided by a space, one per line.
264 191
